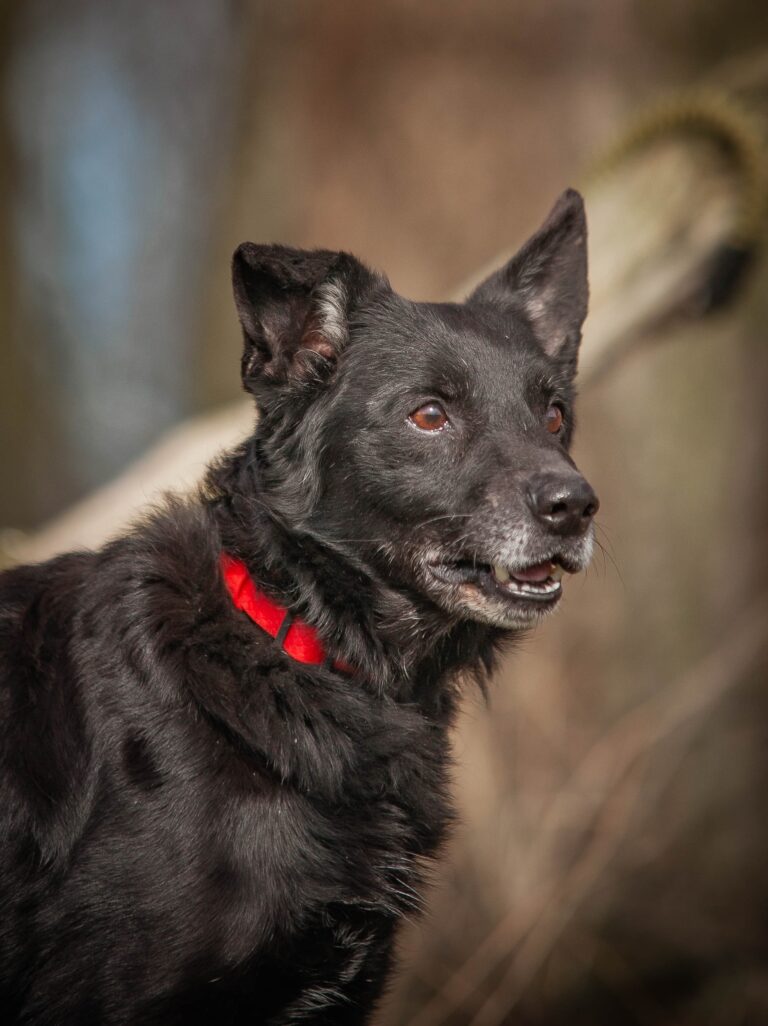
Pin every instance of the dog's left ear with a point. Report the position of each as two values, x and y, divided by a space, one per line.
294 307
547 280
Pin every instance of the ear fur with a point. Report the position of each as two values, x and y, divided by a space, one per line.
294 307
547 279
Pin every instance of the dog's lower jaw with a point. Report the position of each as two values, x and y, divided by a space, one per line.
498 614
470 602
511 591
486 598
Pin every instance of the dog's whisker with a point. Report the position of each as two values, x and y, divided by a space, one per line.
446 516
607 554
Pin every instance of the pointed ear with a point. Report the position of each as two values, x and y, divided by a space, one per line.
294 308
547 279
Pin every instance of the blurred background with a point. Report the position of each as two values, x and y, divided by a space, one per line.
611 862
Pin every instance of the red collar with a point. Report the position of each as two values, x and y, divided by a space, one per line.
297 639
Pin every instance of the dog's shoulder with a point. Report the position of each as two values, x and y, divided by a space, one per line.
74 631
36 587
42 750
62 616
37 612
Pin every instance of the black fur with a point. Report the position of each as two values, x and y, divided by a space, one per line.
196 828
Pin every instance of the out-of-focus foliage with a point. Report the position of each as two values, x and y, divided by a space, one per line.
119 127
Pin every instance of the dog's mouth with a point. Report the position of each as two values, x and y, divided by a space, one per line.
524 591
540 581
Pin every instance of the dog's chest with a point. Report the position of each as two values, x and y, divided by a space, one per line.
331 815
308 885
291 852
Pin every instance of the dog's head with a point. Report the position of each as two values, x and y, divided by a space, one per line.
427 443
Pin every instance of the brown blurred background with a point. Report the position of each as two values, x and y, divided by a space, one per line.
611 866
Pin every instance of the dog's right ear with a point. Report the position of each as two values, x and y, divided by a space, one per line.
294 307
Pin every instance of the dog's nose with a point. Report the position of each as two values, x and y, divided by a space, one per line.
564 504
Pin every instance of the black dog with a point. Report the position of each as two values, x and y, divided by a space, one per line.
217 811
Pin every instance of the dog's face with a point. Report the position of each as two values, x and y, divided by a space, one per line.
427 442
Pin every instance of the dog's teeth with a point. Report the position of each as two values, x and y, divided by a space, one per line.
557 573
500 573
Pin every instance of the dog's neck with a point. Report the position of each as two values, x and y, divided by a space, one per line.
394 638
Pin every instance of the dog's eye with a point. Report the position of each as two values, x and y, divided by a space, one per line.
429 417
554 419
